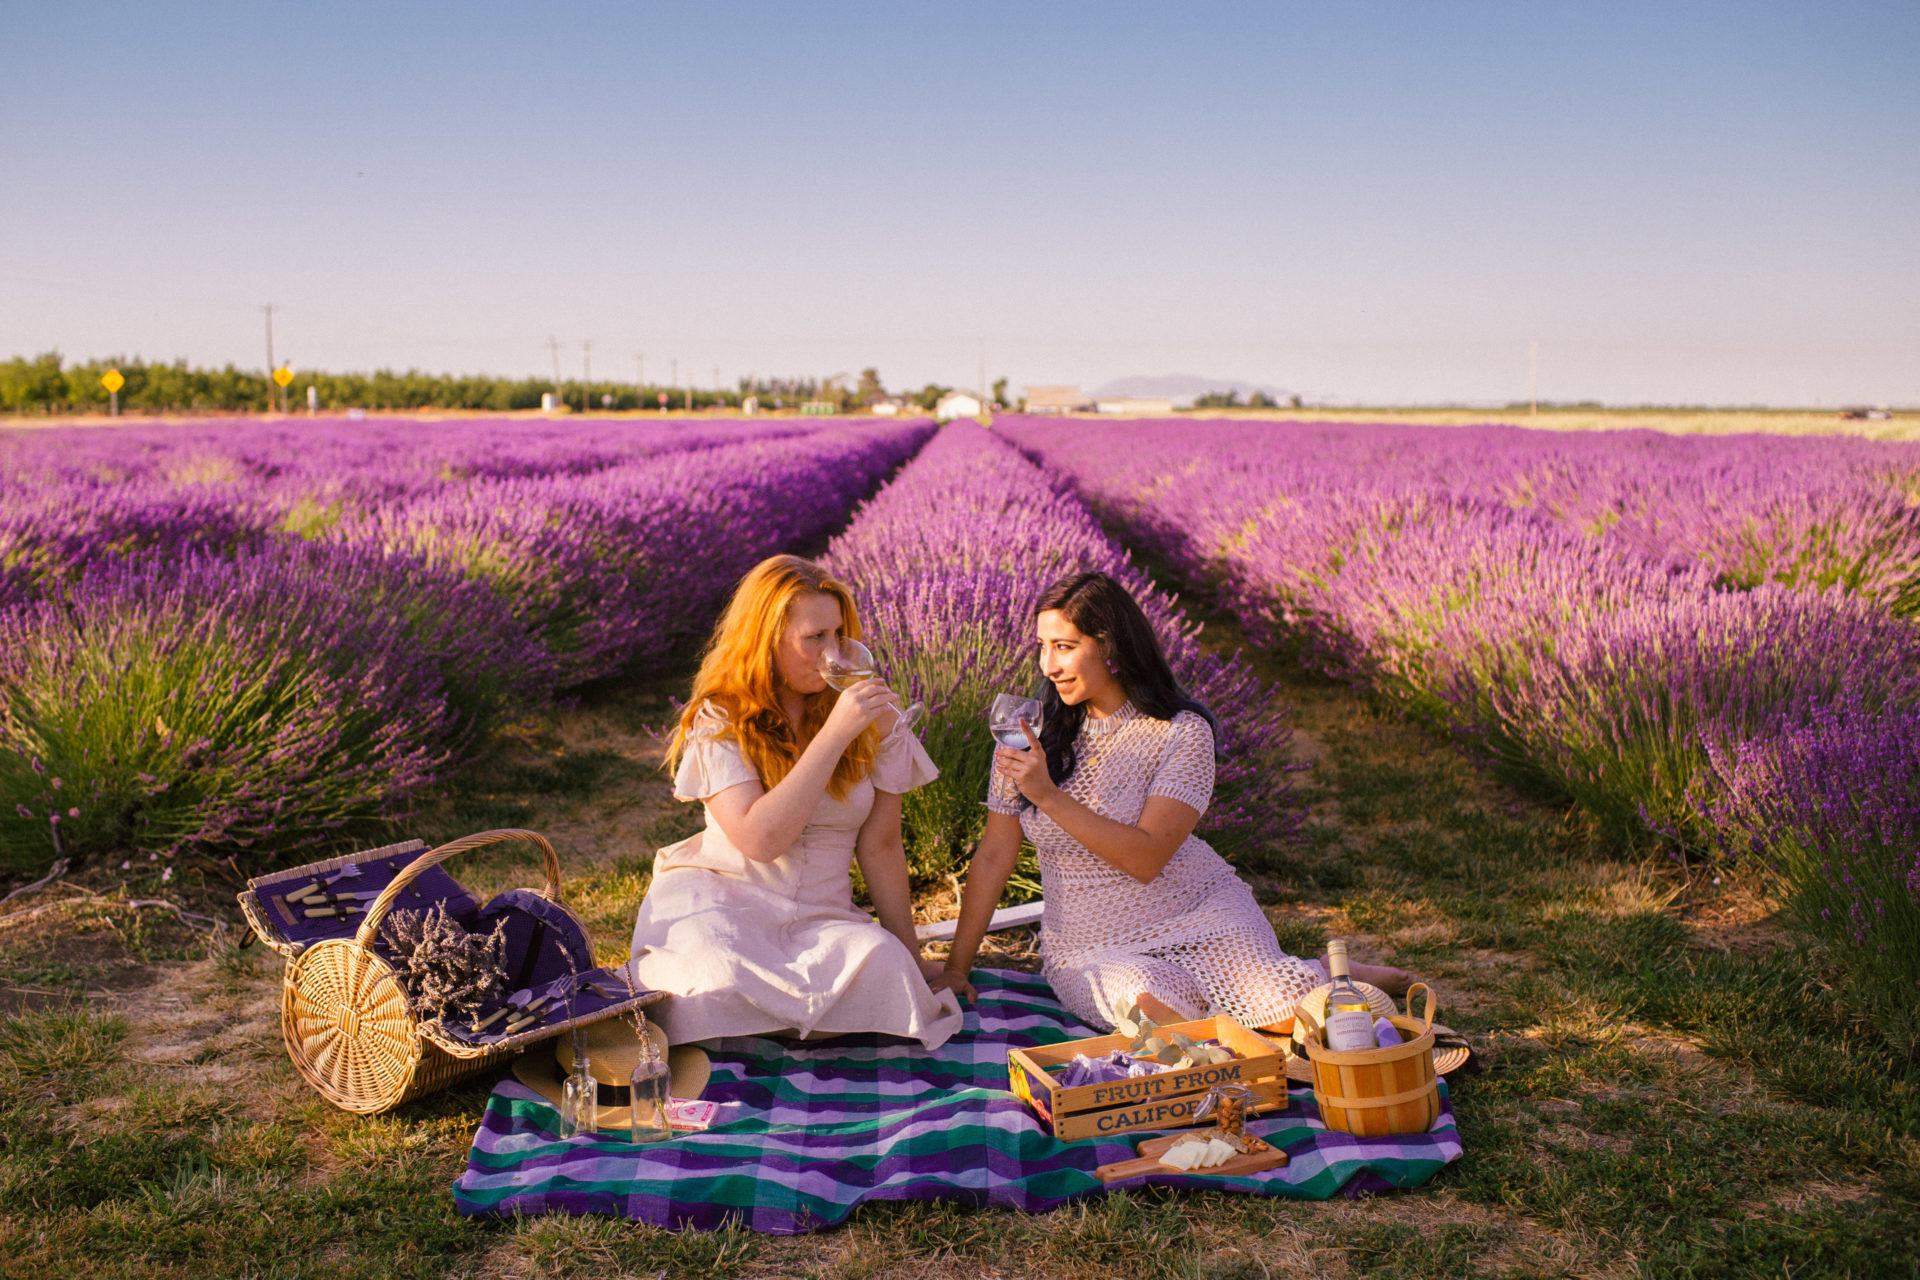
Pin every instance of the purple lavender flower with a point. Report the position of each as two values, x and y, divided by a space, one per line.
947 561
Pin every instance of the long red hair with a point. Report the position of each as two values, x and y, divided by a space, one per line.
737 675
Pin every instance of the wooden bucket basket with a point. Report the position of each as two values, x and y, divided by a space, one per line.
1372 1092
344 1014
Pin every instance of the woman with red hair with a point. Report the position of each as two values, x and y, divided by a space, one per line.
751 923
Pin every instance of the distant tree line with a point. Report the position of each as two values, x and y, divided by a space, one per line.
1232 400
50 384
47 383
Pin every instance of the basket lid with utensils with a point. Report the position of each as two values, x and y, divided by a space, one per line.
350 1026
291 910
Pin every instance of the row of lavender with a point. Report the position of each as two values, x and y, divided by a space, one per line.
66 495
1699 638
196 669
379 457
947 561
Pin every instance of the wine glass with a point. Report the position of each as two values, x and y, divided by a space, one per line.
1004 718
848 663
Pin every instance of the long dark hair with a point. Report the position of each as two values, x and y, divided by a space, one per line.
1100 607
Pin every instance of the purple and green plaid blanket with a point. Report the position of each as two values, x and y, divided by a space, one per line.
807 1131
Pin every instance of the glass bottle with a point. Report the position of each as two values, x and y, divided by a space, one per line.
647 1117
1349 1020
579 1096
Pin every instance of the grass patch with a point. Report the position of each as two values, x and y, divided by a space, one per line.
56 1056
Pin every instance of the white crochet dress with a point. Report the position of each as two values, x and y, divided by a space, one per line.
1193 936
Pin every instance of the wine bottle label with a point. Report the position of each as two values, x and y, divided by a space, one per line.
1350 1030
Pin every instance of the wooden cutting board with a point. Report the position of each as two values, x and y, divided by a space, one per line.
1263 1156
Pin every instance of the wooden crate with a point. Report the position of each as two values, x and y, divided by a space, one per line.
1163 1100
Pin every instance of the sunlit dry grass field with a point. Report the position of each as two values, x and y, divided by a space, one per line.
1902 425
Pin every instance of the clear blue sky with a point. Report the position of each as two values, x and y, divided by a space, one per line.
1680 202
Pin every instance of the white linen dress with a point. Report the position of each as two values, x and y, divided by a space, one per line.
750 948
1193 935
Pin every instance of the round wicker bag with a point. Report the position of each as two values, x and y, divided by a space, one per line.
344 1014
1371 1092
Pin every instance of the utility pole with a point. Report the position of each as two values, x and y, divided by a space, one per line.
268 308
553 346
1533 369
639 373
587 390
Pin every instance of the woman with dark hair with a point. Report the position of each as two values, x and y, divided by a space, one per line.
1108 793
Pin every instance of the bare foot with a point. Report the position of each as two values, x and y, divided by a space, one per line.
1384 976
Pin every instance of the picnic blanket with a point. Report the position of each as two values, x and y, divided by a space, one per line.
806 1131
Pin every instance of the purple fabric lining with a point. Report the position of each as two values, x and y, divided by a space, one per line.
563 946
373 874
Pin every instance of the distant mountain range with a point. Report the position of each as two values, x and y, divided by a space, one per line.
1183 388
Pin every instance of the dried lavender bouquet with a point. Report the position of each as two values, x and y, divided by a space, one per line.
444 969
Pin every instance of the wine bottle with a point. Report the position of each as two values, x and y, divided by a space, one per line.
1349 1019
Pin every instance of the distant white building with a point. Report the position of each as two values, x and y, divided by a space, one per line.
1136 406
1056 399
957 404
888 408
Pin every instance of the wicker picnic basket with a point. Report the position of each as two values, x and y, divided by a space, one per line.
1371 1092
343 1011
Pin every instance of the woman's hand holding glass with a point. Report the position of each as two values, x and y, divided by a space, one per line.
858 706
1027 766
848 662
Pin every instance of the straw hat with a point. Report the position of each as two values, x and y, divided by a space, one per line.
1315 1003
612 1051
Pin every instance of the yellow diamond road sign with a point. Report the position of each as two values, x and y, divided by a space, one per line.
283 375
112 381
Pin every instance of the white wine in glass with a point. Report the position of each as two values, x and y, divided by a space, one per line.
1004 718
850 662
846 665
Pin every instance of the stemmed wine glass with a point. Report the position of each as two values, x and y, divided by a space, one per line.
850 662
1004 718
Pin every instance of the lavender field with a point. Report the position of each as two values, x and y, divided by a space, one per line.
1708 644
263 638
230 638
1614 737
